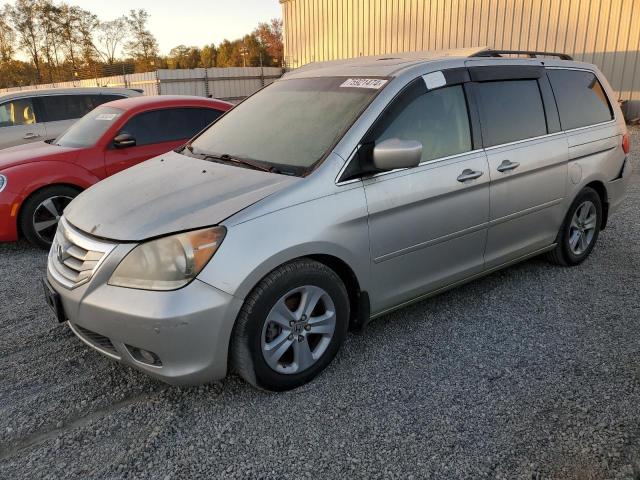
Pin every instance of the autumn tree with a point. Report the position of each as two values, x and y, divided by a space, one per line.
208 56
184 57
270 36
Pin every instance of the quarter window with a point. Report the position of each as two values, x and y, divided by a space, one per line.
17 112
438 119
510 111
580 97
169 125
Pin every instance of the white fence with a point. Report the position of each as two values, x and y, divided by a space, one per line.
230 84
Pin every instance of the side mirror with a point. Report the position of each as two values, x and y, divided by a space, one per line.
395 153
124 140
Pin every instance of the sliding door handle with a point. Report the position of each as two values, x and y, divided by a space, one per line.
507 165
468 174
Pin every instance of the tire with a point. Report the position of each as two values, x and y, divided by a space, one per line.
569 252
257 335
44 208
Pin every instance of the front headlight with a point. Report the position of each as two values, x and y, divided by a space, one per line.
169 262
3 182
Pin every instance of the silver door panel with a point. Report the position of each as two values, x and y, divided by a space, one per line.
426 227
597 148
412 274
526 202
525 232
21 134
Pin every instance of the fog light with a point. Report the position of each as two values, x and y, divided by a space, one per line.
145 356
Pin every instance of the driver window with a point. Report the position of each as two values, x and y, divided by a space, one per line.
17 112
438 119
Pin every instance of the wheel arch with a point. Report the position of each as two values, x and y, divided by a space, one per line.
601 190
35 192
359 300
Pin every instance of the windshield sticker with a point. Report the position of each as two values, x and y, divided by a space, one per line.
374 83
434 80
107 117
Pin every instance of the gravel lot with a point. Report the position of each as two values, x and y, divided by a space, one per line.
532 372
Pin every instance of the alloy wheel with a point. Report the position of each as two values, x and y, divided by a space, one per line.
583 227
46 216
298 329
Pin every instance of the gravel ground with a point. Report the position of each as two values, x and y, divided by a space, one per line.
532 372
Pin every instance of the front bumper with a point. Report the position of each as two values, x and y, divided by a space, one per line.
188 329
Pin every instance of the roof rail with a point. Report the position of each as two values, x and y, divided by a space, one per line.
528 53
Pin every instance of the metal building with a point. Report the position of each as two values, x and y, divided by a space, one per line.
604 32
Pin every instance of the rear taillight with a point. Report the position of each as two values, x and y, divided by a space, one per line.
626 145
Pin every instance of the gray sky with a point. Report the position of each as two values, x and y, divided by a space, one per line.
190 22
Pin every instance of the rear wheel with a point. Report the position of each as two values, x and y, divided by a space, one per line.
580 229
291 326
40 214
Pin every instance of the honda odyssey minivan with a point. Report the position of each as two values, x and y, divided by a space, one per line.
340 192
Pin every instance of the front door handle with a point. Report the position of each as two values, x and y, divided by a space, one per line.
507 165
468 174
30 135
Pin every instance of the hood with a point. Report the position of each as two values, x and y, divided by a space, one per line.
32 152
169 193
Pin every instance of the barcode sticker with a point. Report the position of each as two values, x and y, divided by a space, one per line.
107 116
374 83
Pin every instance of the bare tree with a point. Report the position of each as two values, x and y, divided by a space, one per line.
75 30
7 37
24 16
143 46
87 24
111 35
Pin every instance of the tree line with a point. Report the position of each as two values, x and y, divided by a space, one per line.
64 42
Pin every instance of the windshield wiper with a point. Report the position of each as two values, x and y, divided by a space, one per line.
225 157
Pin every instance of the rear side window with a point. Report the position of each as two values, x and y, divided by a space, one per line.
97 100
510 111
438 119
65 107
17 112
168 124
580 97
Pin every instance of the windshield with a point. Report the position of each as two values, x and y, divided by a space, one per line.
290 123
86 131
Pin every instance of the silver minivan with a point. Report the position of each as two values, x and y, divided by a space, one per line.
34 115
341 192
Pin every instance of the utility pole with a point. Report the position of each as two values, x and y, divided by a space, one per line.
244 51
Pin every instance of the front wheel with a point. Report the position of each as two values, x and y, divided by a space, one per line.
579 231
41 212
291 326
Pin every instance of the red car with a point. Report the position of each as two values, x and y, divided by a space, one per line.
37 181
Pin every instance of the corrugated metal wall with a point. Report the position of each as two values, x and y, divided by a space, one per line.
604 32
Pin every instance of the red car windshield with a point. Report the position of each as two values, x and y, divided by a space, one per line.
86 131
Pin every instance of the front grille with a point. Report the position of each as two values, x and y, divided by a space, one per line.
74 256
97 340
